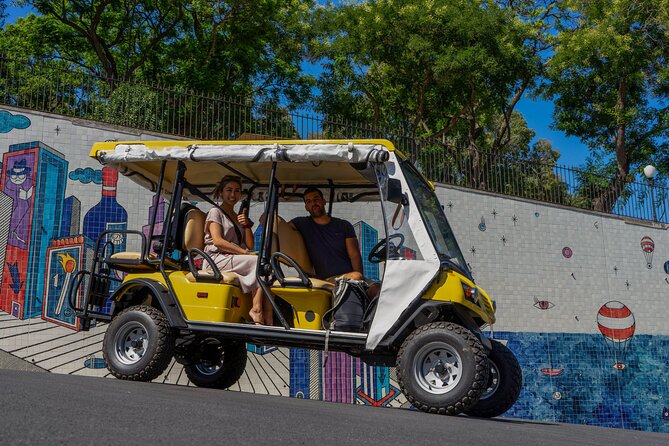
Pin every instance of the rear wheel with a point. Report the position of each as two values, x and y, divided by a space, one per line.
216 363
504 383
138 344
442 368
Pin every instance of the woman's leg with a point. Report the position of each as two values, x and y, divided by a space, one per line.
267 310
256 313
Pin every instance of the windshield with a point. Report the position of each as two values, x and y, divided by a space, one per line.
435 221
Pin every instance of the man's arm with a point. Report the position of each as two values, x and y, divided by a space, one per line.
353 251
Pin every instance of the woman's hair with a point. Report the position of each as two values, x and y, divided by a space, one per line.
218 190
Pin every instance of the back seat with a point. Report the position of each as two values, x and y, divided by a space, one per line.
289 241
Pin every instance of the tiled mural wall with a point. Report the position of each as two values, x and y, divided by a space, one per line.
581 297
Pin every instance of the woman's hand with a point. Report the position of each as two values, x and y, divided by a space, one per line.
244 220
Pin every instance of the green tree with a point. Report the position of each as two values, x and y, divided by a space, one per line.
243 47
228 47
452 70
112 39
610 84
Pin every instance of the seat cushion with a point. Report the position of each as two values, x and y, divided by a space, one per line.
207 274
132 261
289 241
128 256
194 229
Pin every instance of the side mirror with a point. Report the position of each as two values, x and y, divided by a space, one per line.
395 194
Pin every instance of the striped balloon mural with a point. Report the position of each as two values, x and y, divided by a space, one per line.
616 323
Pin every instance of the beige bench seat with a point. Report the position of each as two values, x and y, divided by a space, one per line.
130 261
207 274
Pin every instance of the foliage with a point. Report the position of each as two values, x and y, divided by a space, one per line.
609 81
227 47
441 78
244 47
444 69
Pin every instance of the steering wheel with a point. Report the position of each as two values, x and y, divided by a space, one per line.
378 252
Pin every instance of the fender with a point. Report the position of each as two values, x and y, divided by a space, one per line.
425 311
165 300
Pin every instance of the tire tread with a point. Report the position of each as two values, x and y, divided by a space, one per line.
480 373
164 349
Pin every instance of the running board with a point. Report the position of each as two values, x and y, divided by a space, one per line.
293 337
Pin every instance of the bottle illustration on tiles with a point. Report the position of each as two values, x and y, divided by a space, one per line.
107 215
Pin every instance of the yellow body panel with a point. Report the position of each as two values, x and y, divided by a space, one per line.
309 305
448 288
217 302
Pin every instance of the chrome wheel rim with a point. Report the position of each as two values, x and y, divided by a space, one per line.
130 343
437 368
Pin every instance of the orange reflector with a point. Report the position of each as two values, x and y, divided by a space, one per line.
201 294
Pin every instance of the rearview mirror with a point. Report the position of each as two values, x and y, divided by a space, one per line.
395 194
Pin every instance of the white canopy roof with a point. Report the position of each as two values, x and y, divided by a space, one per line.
301 163
216 152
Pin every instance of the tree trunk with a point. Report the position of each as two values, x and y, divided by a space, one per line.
605 199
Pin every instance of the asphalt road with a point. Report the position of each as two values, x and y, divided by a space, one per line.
45 408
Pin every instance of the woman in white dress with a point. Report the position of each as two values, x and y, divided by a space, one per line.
228 239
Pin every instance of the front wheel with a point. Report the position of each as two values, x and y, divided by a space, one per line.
217 363
139 344
506 378
442 368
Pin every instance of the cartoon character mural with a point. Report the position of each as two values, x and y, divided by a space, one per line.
18 184
5 219
35 213
616 323
33 176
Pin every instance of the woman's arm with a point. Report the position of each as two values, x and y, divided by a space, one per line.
247 225
223 245
249 238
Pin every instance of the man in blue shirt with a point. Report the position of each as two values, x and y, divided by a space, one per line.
331 242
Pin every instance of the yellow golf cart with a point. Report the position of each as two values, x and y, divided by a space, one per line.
426 320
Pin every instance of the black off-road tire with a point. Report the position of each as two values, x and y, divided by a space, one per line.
220 363
138 344
433 352
504 383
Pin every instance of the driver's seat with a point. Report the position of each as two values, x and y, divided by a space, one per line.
289 241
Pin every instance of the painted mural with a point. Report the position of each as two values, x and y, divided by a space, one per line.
600 371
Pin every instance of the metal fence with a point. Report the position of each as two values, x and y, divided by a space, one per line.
57 88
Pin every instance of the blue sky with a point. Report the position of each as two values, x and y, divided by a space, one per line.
537 113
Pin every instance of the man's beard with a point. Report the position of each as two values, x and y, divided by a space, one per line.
317 212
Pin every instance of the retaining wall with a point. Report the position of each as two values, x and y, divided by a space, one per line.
581 297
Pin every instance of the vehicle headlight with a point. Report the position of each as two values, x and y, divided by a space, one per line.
471 293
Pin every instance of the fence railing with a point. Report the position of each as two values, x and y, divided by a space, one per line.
56 88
